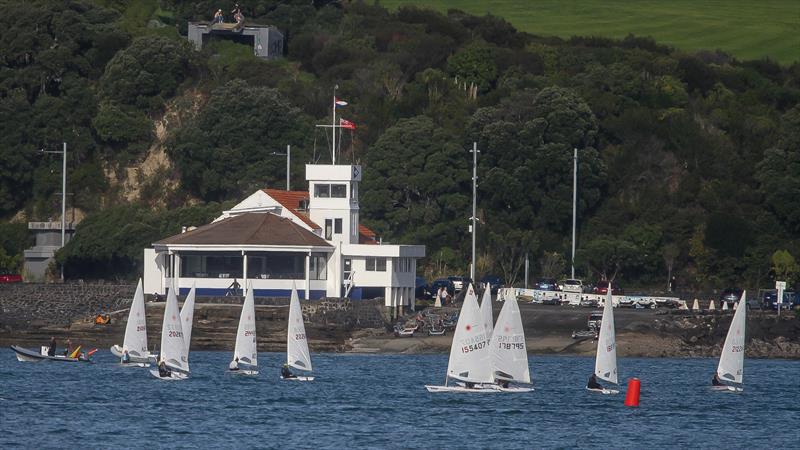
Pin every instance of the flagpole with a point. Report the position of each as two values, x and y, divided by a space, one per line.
333 129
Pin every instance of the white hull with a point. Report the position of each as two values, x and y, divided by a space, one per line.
604 391
133 364
462 389
23 358
174 376
727 389
116 350
298 378
243 372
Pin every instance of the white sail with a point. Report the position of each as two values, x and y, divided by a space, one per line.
486 312
246 350
187 317
605 364
508 350
297 354
469 353
135 342
731 362
173 347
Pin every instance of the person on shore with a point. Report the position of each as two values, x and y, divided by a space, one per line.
593 384
286 373
126 358
218 17
716 381
234 365
51 351
163 370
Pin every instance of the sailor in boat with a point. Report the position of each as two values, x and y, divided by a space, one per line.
126 358
234 365
593 384
286 373
716 381
163 370
51 351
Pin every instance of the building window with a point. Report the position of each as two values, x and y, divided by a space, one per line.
276 265
376 264
328 229
338 191
337 226
211 265
348 268
318 269
322 190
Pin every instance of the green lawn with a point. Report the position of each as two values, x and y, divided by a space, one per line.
746 29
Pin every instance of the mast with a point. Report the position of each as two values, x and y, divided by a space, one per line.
333 127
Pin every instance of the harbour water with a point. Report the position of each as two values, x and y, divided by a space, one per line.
379 401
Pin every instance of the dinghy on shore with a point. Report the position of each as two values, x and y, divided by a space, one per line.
605 364
135 340
245 354
470 362
174 353
731 361
297 354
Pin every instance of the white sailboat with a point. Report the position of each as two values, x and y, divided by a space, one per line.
174 352
135 340
508 350
297 354
731 362
470 360
245 354
187 316
486 312
605 364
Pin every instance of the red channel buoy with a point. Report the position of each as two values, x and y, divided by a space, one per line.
632 396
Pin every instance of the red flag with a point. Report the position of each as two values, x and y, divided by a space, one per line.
344 123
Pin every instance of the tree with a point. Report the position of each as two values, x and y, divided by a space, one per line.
608 256
474 64
778 172
785 267
552 264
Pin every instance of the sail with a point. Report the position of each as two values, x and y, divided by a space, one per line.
173 348
246 349
187 317
469 354
509 354
605 364
486 312
297 354
731 362
135 342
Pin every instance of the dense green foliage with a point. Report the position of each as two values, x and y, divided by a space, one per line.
688 163
748 30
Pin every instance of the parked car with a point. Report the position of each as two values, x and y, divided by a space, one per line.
595 320
7 276
493 282
445 283
571 285
546 284
422 290
790 300
460 282
730 296
602 288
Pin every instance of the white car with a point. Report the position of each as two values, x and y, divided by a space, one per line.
571 285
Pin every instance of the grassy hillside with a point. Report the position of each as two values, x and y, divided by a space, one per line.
748 30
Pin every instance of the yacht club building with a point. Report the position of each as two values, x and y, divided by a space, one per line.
275 238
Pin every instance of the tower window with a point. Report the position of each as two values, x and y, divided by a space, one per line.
322 190
338 191
337 226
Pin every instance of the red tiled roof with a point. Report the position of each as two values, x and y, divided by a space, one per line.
366 236
291 201
248 229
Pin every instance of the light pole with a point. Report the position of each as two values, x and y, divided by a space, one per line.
574 204
63 196
474 196
288 156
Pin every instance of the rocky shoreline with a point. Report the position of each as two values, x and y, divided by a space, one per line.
30 316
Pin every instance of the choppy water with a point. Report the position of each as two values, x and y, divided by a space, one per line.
379 401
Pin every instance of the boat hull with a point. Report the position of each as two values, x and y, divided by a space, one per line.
462 389
298 378
27 355
116 350
243 372
174 376
727 389
604 391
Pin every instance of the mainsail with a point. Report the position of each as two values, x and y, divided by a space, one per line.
246 347
187 317
469 353
486 311
605 365
135 342
731 362
508 350
173 347
297 354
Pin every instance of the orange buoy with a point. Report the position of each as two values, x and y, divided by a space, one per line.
632 395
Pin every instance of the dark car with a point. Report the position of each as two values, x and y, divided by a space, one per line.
460 283
602 288
6 276
422 290
546 284
730 296
443 283
493 282
790 300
